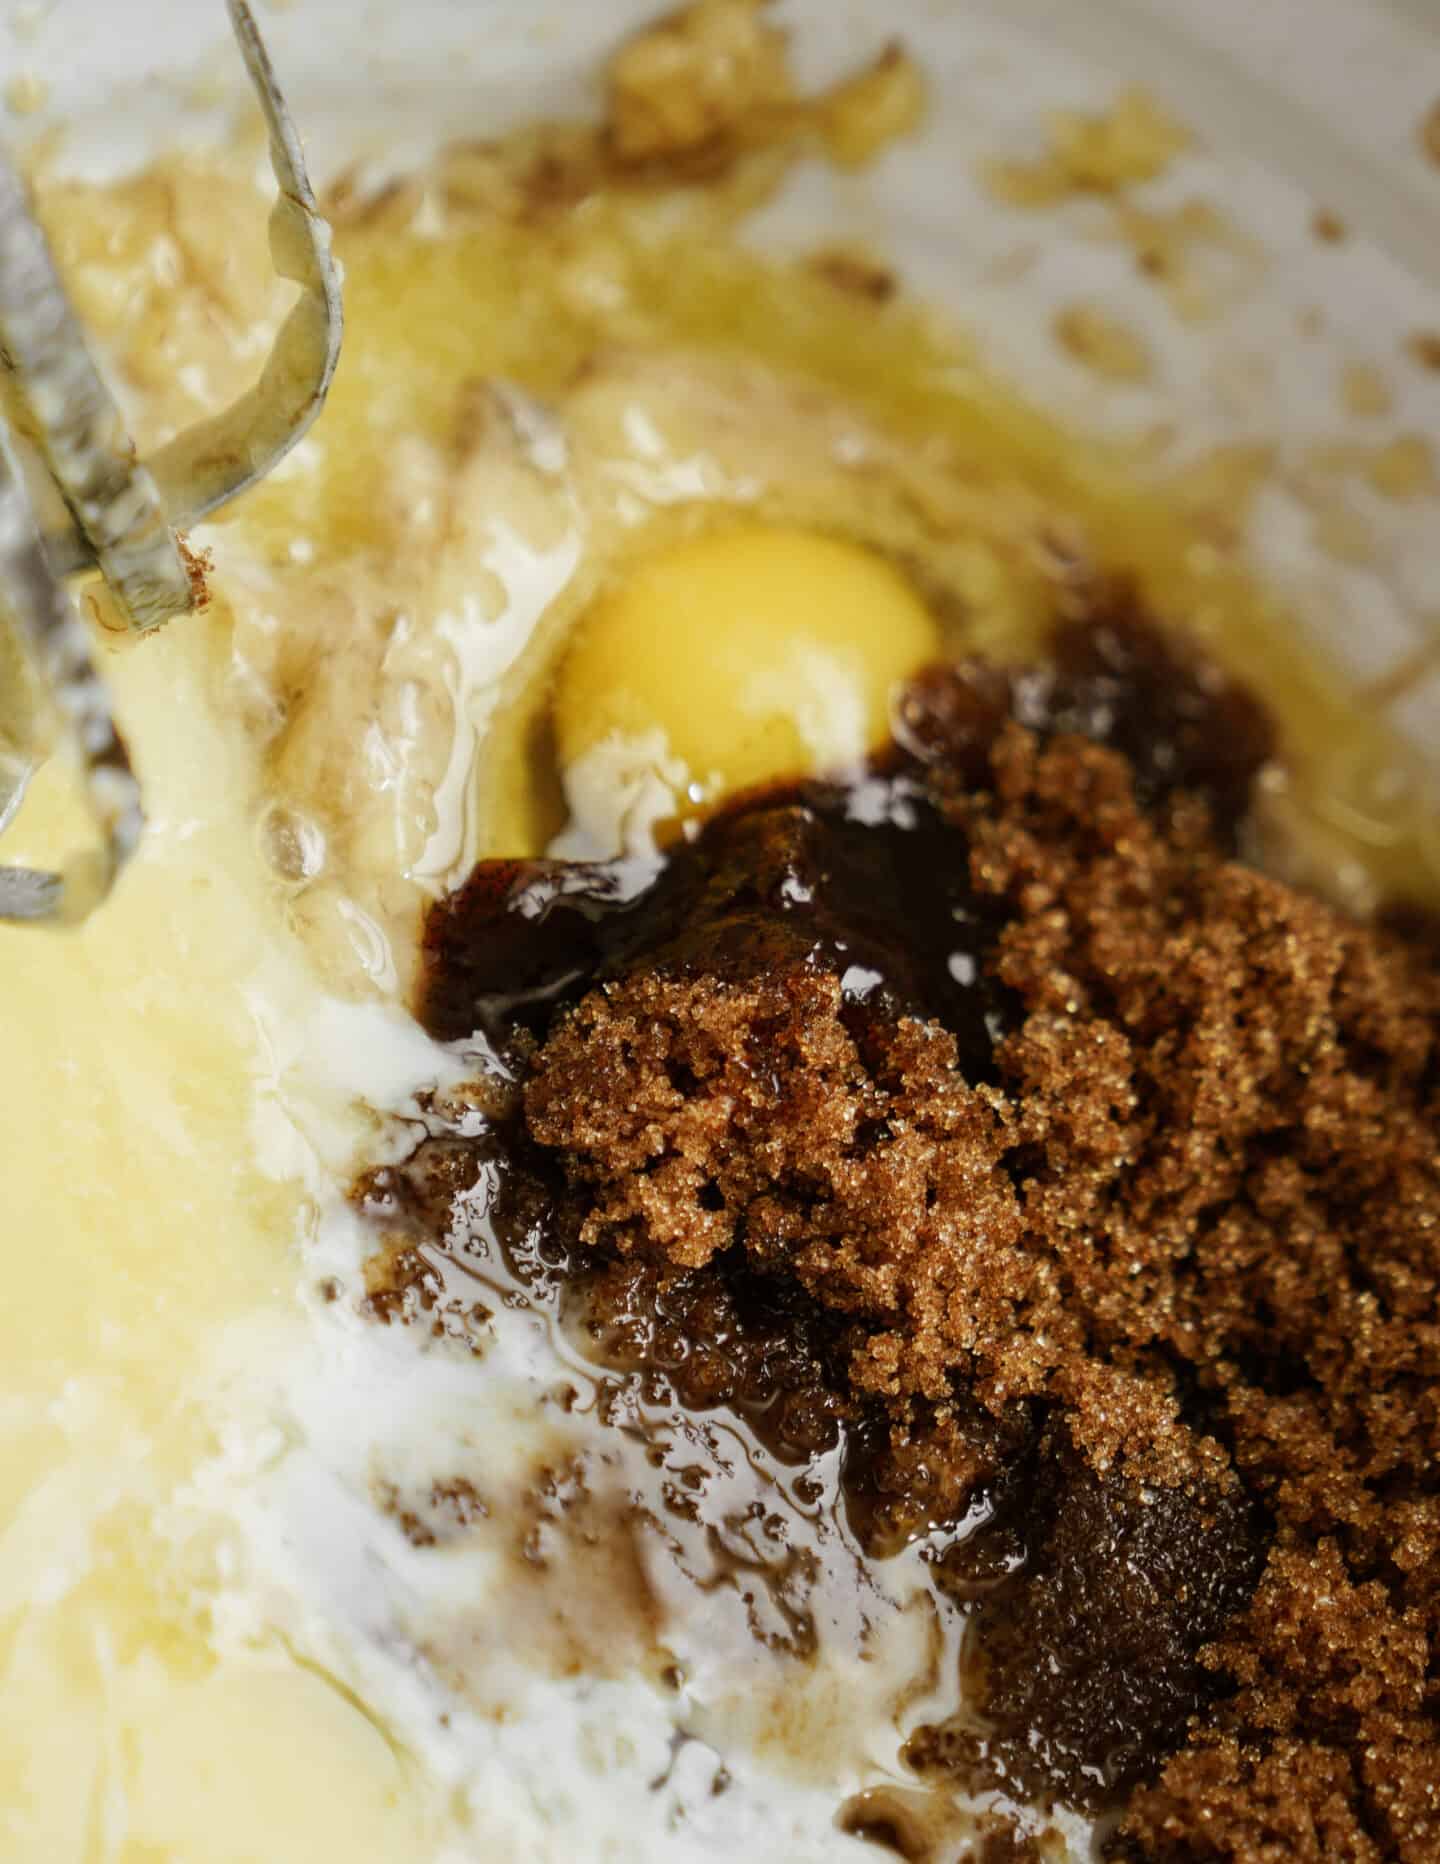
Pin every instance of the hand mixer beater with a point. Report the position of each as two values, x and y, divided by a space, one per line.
76 499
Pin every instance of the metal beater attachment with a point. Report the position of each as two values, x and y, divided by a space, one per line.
74 498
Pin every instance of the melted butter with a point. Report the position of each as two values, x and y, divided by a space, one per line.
435 541
141 1230
964 482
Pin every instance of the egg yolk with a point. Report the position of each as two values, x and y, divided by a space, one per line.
741 657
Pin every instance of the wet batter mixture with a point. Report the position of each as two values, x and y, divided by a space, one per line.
750 1164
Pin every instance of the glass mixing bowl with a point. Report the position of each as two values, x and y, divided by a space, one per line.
1308 359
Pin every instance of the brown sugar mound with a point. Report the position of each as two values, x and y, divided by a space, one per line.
1188 1232
1214 1143
981 1119
694 1108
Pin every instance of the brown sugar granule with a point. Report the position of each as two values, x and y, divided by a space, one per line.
1428 132
854 271
990 1114
1423 347
1103 343
1327 226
